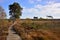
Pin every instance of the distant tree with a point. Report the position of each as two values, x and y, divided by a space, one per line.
15 10
27 18
50 17
41 18
35 17
2 13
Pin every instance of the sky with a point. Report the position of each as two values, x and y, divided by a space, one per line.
37 8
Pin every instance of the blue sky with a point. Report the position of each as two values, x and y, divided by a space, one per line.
38 8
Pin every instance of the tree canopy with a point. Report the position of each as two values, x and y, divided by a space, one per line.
15 10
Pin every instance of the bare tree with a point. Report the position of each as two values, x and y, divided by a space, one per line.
2 13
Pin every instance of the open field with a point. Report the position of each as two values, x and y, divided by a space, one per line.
33 29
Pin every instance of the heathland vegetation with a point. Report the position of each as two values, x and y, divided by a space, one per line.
33 30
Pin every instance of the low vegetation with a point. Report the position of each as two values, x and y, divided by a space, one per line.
32 30
38 30
4 25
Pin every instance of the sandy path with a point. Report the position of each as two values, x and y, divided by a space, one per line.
11 34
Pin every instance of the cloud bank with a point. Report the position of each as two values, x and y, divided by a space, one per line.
51 8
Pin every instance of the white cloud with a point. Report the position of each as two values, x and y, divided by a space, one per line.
34 1
50 9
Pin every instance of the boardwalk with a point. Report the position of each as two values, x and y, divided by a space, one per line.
12 35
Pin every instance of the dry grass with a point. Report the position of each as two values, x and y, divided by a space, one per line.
41 30
4 25
33 30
